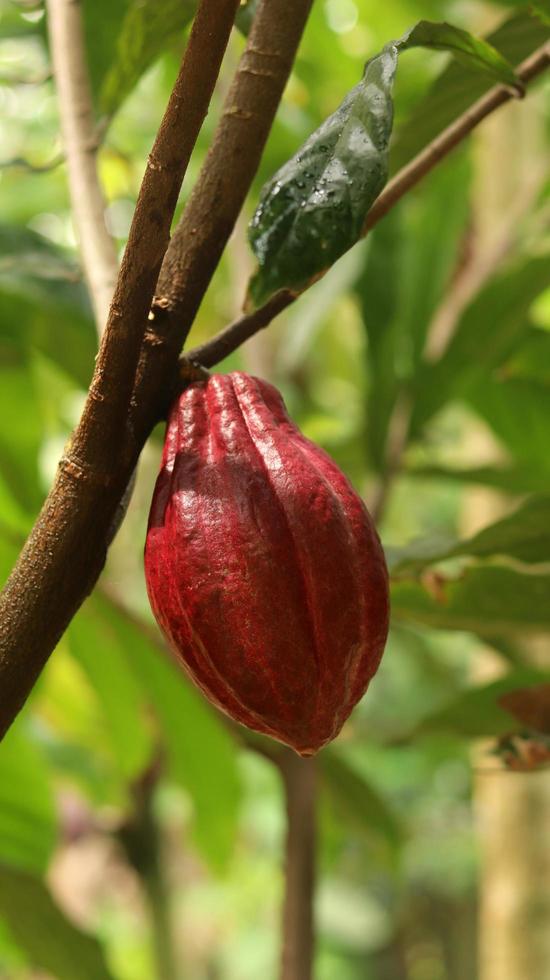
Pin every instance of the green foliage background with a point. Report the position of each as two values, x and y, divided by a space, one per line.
361 363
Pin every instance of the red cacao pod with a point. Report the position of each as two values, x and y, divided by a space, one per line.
263 566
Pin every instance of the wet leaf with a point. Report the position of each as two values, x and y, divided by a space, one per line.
314 208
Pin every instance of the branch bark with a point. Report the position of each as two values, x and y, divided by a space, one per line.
66 550
218 196
229 339
80 141
300 782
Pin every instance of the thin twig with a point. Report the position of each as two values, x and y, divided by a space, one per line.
66 549
300 782
229 339
99 255
226 341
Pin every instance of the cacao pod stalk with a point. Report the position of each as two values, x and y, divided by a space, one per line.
263 567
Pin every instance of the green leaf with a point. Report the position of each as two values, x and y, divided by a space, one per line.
511 478
121 696
476 713
518 412
541 9
524 536
245 16
458 87
531 359
20 440
144 32
201 754
409 261
44 304
358 800
473 51
486 334
313 210
27 816
485 599
51 942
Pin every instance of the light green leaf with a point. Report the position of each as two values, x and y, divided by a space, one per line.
43 303
121 696
410 257
510 478
201 754
458 87
38 926
357 800
487 332
524 536
20 440
473 51
518 412
27 816
144 32
485 599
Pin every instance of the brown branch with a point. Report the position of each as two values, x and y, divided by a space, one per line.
66 549
232 161
216 200
99 256
300 779
229 339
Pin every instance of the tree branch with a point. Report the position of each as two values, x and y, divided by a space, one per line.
65 551
99 256
300 779
216 201
229 339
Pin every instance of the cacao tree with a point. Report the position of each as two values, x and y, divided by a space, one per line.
294 187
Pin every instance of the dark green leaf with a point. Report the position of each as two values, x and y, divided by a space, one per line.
245 16
458 87
358 800
38 926
201 753
27 815
473 51
485 599
314 208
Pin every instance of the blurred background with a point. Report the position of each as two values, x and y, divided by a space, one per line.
138 836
